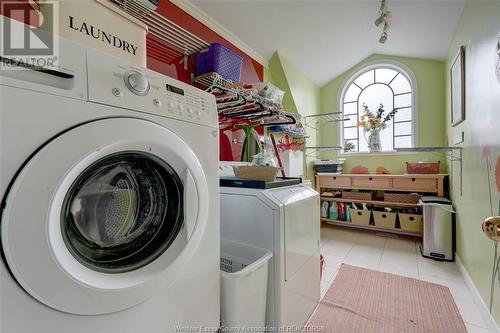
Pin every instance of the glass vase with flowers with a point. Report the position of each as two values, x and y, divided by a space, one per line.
374 122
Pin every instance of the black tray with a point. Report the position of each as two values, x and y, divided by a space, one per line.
259 184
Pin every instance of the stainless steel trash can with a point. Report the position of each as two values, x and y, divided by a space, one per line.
438 228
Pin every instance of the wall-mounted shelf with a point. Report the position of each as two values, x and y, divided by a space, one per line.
211 79
236 102
449 151
325 148
314 121
321 149
454 154
166 40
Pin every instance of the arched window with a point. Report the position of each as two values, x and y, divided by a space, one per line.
382 83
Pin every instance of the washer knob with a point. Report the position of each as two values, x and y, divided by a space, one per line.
117 92
137 83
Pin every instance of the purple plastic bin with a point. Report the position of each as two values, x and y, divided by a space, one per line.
218 58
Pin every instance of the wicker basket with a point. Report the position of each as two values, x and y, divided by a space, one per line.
402 197
423 167
357 195
264 173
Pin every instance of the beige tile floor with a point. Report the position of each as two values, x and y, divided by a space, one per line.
397 255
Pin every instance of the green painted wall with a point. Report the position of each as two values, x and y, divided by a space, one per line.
302 96
431 114
477 31
267 75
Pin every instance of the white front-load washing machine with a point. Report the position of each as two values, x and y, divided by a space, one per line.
109 187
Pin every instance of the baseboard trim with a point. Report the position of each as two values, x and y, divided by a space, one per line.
485 312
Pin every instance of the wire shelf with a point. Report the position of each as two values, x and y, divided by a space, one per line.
163 34
215 79
325 148
226 106
449 151
321 149
314 121
211 79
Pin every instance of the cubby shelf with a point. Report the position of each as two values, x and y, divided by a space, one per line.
369 227
422 184
371 202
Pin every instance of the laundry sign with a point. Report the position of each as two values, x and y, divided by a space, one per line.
100 35
102 25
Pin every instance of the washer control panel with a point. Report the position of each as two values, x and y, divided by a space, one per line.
136 82
115 82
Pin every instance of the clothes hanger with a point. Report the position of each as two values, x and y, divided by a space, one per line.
282 118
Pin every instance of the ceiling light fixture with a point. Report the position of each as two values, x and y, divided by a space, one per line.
383 18
383 37
382 10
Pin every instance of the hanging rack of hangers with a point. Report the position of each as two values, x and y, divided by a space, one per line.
238 103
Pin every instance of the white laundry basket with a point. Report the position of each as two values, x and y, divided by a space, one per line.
243 284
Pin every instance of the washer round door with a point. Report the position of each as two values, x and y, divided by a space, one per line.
104 216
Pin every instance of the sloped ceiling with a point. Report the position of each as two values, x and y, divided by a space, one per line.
325 38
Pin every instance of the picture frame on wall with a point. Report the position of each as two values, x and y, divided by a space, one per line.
457 87
497 59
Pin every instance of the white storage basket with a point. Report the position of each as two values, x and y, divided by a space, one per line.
243 285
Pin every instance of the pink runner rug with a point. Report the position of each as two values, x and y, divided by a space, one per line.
362 300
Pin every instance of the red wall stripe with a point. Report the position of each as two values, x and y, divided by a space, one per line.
252 71
160 58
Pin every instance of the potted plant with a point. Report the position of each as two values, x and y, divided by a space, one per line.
348 146
373 123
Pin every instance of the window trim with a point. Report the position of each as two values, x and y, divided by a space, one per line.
391 64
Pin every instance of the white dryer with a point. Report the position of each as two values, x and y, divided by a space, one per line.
110 210
284 220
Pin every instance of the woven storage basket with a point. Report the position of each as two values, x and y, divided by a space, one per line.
263 173
357 195
402 197
423 167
